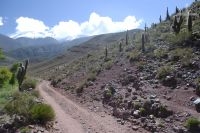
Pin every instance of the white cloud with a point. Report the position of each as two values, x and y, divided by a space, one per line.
96 24
30 27
69 30
1 21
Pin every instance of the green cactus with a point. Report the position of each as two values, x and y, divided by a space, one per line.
160 19
120 46
177 10
21 73
143 42
127 37
189 23
167 15
177 24
145 27
106 52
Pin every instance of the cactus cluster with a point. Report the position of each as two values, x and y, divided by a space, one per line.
177 24
21 73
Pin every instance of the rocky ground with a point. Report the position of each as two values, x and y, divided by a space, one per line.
135 97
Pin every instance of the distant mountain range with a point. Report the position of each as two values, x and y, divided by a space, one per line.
38 49
44 49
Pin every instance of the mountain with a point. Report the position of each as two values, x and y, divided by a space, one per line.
8 44
151 82
36 50
91 44
37 53
37 41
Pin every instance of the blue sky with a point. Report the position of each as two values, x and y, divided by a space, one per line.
69 19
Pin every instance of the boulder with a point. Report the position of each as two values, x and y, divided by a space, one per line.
170 81
197 104
128 79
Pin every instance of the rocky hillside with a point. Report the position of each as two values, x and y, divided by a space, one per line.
148 78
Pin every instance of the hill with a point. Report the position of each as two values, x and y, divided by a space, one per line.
37 41
36 50
147 79
94 44
8 44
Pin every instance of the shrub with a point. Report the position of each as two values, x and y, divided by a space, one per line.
81 86
14 67
160 53
163 72
91 77
192 124
141 65
179 38
134 56
42 113
108 65
25 130
107 94
28 83
20 104
182 54
5 75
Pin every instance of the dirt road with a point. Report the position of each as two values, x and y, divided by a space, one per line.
72 118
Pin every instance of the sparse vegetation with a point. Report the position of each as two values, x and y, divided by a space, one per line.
160 53
5 75
182 54
91 77
134 55
28 83
164 71
192 124
42 113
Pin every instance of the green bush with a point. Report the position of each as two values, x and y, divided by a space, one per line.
42 113
178 39
108 65
5 75
141 65
134 55
20 104
182 54
28 83
192 124
91 77
160 53
163 72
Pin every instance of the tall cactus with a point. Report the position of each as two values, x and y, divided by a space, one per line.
21 73
120 46
106 53
127 37
177 24
167 15
143 41
160 19
145 27
189 23
177 10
